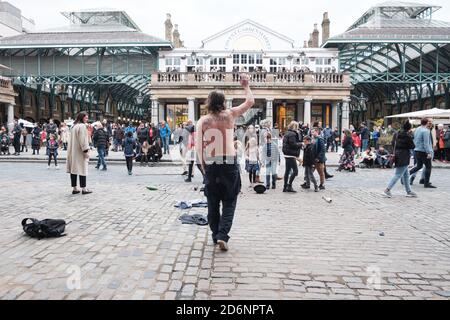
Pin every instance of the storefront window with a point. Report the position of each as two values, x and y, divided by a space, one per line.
176 115
286 114
316 113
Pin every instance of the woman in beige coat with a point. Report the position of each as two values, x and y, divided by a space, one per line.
78 153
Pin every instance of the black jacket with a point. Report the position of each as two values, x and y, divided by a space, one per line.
365 134
320 150
403 143
309 158
100 137
348 145
291 144
142 134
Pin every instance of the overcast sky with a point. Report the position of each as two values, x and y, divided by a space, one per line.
199 19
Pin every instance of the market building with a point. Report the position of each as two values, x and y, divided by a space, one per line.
289 82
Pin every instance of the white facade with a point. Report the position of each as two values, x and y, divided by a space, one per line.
12 22
249 46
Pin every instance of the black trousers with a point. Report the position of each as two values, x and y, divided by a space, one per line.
50 159
17 144
422 160
223 184
73 178
291 165
129 163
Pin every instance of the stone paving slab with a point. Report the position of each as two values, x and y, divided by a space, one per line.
125 242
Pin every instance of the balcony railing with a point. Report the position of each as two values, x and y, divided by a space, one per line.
256 78
5 83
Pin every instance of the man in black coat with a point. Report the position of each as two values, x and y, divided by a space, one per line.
17 132
291 150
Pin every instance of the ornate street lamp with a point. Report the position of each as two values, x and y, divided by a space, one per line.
63 95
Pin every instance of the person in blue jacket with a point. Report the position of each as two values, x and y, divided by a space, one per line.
165 133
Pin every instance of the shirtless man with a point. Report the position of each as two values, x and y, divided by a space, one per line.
217 156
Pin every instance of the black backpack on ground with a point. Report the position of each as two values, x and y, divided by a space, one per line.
48 228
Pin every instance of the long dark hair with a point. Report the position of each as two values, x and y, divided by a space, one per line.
80 117
216 102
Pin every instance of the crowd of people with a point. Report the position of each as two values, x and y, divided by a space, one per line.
221 151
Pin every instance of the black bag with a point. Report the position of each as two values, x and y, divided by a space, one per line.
48 228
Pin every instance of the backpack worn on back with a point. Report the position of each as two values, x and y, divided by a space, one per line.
48 228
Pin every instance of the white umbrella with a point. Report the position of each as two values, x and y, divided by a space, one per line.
26 123
431 113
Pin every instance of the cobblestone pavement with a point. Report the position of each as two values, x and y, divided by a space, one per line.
125 242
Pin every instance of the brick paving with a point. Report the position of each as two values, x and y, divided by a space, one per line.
126 242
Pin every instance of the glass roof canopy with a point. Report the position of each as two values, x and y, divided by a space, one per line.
101 52
395 47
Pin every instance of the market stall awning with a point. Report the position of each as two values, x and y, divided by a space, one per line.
431 113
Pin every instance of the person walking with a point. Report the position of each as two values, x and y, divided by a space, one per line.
100 142
309 161
320 157
52 151
423 152
183 140
291 151
217 157
78 153
129 151
403 145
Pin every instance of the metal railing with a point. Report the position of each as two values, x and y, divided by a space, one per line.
5 83
256 78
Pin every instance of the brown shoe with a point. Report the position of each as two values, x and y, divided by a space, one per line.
222 245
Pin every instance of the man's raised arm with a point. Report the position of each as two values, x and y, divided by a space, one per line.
249 100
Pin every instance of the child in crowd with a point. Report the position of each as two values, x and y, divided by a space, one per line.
52 151
308 164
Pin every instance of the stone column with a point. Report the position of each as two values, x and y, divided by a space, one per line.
10 117
307 112
334 110
300 113
346 114
269 110
229 103
191 109
155 111
161 112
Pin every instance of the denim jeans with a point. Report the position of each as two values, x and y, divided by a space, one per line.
222 185
401 173
365 144
291 166
166 142
101 157
422 160
309 176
